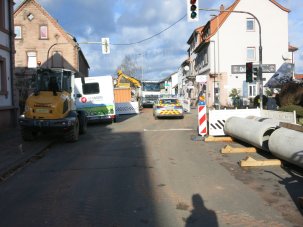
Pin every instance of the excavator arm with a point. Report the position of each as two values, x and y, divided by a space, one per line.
133 80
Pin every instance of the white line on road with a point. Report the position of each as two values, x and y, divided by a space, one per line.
169 129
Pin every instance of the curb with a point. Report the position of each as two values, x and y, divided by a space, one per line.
22 159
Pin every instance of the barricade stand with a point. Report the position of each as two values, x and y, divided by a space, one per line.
202 119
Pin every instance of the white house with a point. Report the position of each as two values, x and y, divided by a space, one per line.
230 39
8 109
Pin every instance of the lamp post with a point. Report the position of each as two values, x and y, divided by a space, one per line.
260 77
215 74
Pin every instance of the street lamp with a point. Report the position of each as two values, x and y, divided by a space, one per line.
215 74
260 77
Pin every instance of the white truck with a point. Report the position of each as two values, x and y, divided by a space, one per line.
150 92
96 97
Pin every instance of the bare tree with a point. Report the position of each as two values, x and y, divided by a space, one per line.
130 67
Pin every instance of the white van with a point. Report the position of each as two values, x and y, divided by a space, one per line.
96 97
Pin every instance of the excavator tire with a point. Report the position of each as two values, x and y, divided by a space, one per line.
27 134
73 134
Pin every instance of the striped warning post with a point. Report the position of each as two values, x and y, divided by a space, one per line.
202 120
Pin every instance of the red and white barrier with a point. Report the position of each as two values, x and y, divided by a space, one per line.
202 120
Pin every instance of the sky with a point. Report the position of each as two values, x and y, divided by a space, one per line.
131 21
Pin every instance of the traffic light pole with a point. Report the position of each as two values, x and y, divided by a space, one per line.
260 75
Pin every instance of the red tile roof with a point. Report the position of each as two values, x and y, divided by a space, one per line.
299 76
292 48
216 22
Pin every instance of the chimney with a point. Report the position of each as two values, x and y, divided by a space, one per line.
222 7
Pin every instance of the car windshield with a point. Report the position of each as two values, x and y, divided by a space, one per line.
151 86
168 101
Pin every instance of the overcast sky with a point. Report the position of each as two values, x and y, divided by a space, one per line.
129 21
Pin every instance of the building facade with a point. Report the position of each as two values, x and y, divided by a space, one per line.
8 99
231 39
41 42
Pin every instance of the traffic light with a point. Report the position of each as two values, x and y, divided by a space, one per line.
192 10
249 72
255 73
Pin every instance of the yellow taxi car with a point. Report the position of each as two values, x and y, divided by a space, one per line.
168 107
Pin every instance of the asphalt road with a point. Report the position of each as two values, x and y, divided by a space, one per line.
146 172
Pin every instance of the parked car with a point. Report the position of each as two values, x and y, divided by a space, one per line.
168 107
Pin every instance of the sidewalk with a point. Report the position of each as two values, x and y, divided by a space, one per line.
14 151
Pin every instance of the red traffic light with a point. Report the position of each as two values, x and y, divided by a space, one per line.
193 2
249 72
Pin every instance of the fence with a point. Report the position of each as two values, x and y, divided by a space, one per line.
217 118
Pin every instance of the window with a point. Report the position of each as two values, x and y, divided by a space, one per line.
90 88
30 17
3 88
31 59
252 90
18 32
250 24
43 32
205 58
251 53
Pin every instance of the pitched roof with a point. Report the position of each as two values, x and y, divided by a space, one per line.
46 14
280 6
216 22
71 39
299 76
197 30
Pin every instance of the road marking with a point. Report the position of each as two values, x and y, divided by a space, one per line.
169 129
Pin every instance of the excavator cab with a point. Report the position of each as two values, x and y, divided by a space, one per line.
53 81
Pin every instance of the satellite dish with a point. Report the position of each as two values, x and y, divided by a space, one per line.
286 57
186 68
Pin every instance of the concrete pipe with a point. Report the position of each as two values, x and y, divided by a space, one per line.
250 131
263 119
287 145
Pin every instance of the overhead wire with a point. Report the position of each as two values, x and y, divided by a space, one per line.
143 40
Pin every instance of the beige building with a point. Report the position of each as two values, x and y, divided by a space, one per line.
41 41
8 109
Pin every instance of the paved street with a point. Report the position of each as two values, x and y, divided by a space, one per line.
145 172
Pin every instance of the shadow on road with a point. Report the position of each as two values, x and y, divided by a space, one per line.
200 215
293 183
101 180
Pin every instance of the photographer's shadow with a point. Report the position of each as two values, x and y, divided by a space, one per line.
200 215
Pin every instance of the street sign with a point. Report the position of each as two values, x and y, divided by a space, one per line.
266 68
105 46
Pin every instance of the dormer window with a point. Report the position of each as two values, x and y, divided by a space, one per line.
206 33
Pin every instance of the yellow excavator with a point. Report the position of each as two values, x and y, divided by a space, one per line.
124 80
51 107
